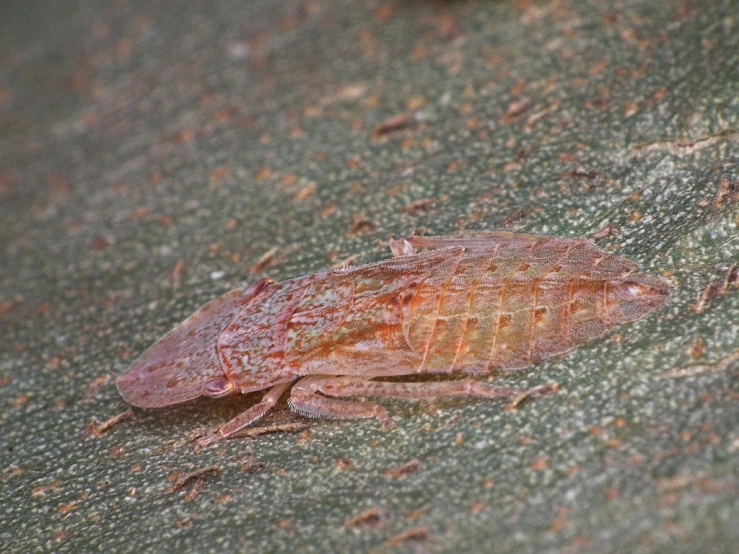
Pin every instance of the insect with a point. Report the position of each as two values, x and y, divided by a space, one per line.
468 304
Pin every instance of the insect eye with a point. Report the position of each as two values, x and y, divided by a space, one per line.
216 388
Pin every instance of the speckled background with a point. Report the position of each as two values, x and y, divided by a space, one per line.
151 154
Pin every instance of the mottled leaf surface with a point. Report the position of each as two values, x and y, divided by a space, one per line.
154 155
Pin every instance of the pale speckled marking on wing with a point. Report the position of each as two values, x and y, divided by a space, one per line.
482 325
363 361
478 343
174 369
419 318
519 311
357 306
453 314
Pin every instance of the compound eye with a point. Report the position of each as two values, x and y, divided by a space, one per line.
216 388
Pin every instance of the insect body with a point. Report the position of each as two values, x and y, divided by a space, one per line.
469 305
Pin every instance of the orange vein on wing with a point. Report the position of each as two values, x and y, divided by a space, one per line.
469 307
438 310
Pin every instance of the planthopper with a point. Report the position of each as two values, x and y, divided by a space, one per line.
466 305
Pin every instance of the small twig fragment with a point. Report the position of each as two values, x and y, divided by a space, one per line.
536 392
707 368
190 477
392 125
516 109
197 486
267 259
420 533
688 146
582 173
98 429
368 518
716 288
405 469
603 232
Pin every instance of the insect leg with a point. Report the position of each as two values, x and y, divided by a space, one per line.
305 401
247 417
357 386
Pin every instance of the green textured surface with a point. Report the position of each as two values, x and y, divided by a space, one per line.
136 137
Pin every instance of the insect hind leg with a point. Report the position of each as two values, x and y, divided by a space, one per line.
358 386
353 386
304 401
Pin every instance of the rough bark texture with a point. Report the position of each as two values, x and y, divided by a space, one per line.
155 155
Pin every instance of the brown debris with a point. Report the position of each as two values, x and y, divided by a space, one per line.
535 392
582 173
100 243
218 174
194 476
68 507
266 260
393 125
177 271
727 191
361 224
688 146
405 469
716 288
184 522
516 216
368 518
418 206
304 193
98 429
707 368
41 490
195 489
343 463
420 533
252 466
679 481
93 387
516 109
540 464
606 231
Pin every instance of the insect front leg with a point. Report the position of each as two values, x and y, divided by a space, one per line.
247 417
305 401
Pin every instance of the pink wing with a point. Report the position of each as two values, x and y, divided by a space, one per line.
174 369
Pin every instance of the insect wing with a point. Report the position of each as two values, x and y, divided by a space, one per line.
175 368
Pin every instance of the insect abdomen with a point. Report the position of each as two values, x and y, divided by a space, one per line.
511 306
